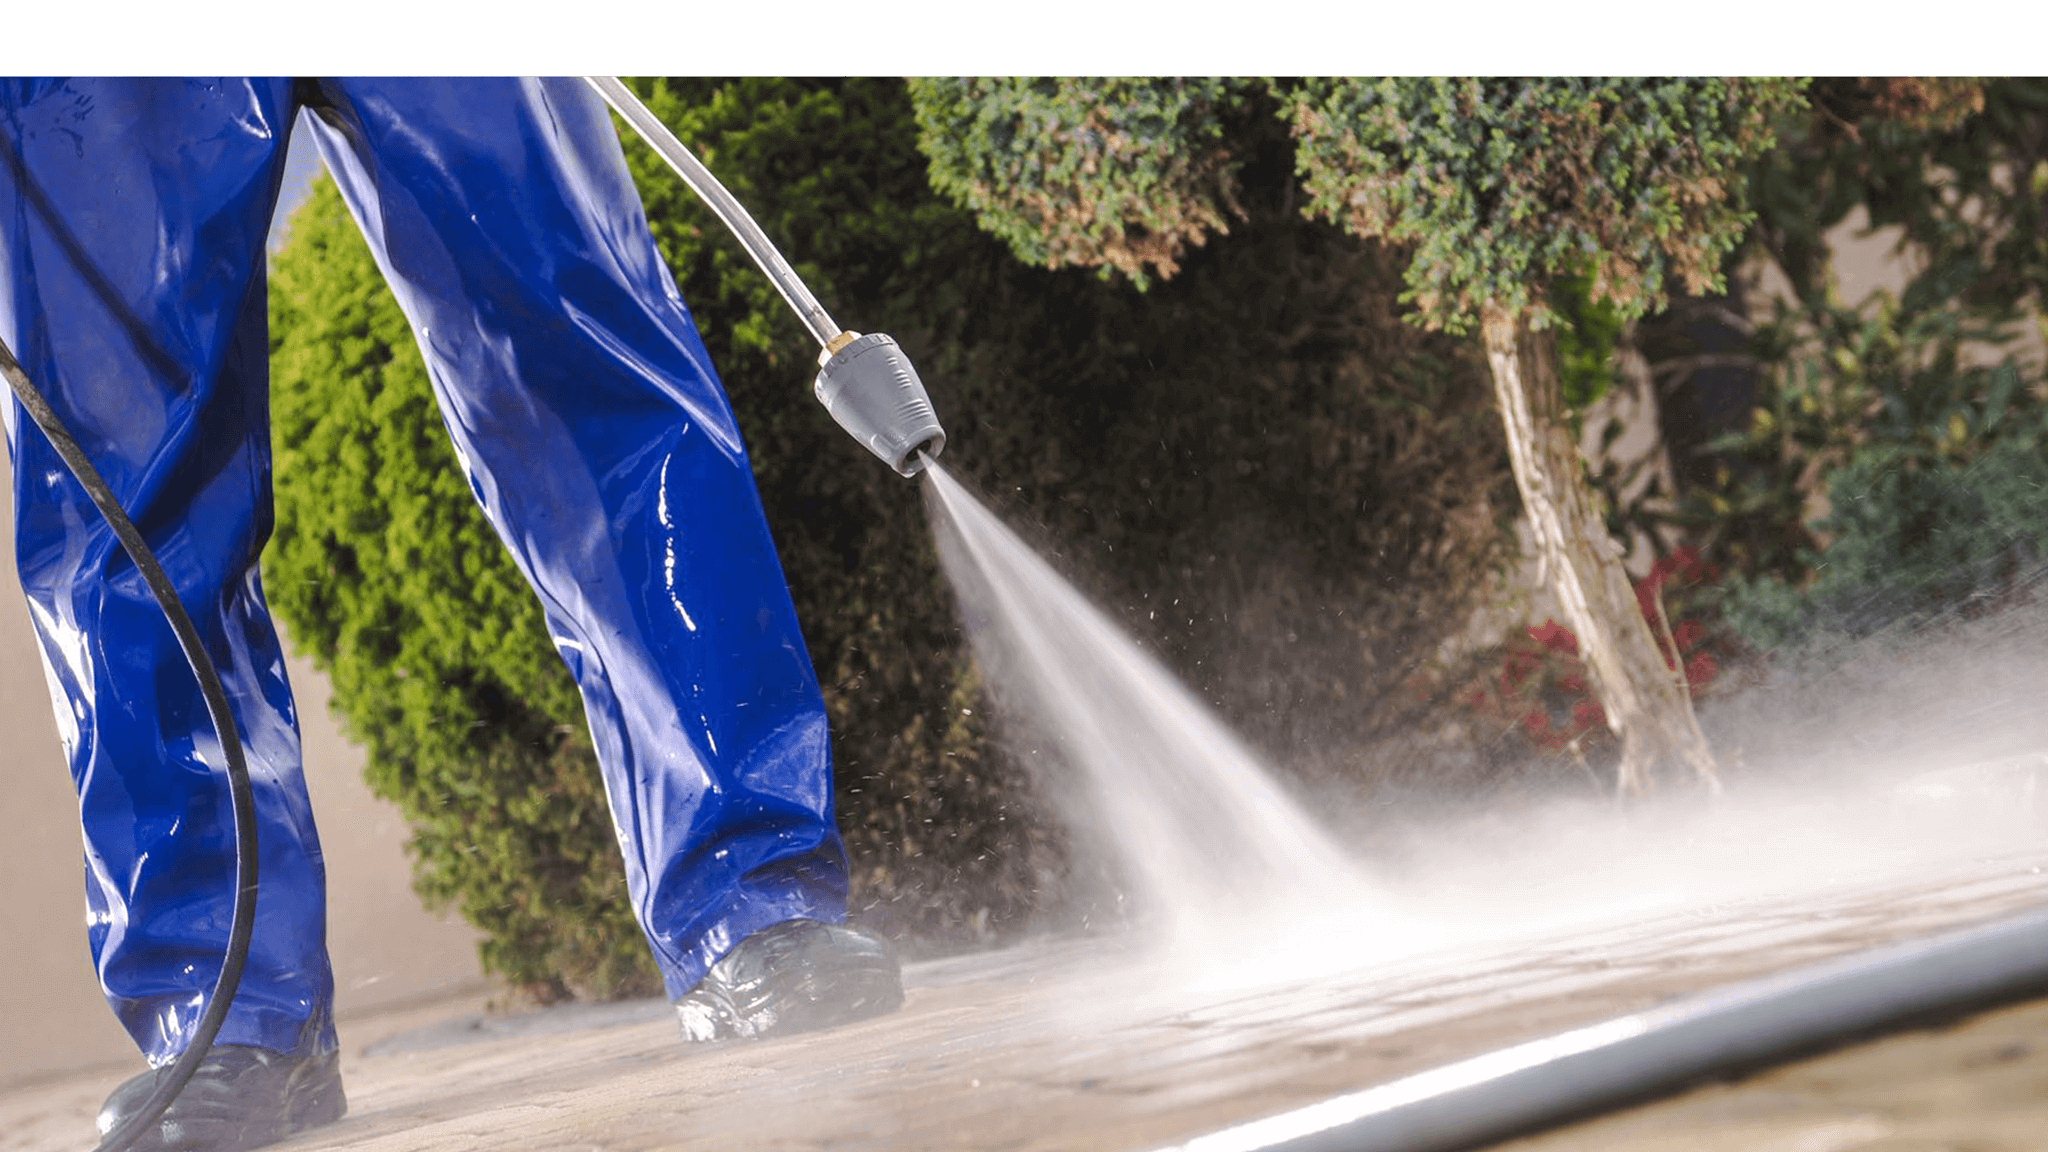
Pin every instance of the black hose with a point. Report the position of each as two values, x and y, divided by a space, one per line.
242 925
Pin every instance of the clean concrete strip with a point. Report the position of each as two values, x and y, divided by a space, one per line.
1514 1090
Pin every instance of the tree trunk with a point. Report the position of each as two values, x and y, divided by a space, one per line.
1646 700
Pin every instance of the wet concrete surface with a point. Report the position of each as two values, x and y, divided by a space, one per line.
1067 1044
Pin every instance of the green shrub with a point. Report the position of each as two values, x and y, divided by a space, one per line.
1502 185
1122 173
1953 165
1889 475
1911 542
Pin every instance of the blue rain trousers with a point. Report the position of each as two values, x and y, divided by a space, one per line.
585 412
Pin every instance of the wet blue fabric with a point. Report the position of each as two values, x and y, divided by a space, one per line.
587 416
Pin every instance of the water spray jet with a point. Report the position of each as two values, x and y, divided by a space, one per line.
1219 856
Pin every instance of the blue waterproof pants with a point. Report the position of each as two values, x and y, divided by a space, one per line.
587 416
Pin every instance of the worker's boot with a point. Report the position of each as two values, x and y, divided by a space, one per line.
239 1098
796 976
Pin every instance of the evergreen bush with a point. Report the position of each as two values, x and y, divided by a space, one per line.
1911 542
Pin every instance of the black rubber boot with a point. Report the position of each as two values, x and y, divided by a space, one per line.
239 1098
796 976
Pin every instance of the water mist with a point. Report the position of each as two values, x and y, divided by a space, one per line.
1242 885
1208 840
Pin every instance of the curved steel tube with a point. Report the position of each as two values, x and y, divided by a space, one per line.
705 185
1517 1089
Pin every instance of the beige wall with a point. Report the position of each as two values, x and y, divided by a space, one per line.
386 949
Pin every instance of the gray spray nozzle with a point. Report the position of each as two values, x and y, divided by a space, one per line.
868 385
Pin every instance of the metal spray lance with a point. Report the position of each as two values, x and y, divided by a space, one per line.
864 381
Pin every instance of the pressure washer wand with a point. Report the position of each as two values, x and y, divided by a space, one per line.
864 381
706 186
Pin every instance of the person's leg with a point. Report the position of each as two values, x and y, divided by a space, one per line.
598 440
132 221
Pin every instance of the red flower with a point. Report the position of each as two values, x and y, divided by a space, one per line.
1683 566
1555 637
1687 633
